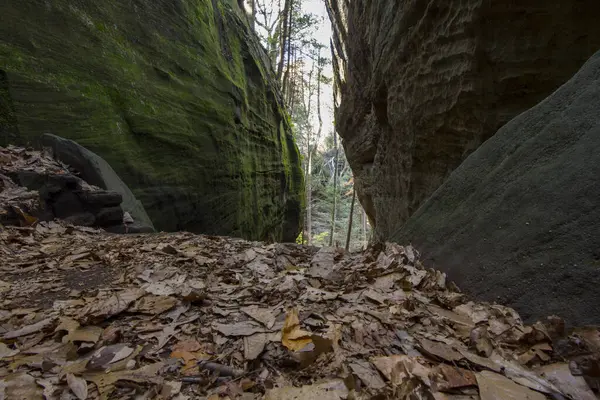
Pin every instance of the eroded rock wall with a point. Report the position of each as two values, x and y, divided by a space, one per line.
517 221
423 83
174 94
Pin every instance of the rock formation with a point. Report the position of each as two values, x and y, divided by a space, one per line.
423 83
518 221
95 171
34 187
175 95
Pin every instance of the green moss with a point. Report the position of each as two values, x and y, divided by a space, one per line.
175 96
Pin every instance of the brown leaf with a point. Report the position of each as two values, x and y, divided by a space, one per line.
27 219
100 310
20 386
78 386
151 304
244 328
67 324
105 381
494 386
292 336
29 329
367 374
440 350
170 389
398 368
262 315
481 340
573 386
89 334
329 390
254 345
523 376
445 377
107 355
6 352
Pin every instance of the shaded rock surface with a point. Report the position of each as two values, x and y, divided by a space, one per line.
518 220
176 96
35 187
424 83
95 171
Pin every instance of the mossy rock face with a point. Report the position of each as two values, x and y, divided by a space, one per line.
176 96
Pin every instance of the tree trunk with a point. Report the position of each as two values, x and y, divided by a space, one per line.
289 45
335 182
350 219
309 200
253 5
364 226
284 37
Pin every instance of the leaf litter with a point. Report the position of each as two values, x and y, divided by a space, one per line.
254 320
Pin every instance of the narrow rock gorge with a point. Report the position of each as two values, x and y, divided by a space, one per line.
177 96
422 84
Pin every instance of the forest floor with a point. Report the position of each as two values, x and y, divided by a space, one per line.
86 314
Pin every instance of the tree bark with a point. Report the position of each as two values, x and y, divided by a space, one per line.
253 5
284 43
350 219
290 15
364 226
335 182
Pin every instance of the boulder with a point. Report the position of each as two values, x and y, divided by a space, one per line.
96 171
177 96
422 84
518 221
34 187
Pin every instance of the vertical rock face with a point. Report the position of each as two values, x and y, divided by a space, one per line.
424 83
175 95
518 220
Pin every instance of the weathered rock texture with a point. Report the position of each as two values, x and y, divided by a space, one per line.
518 220
174 95
423 83
96 171
34 187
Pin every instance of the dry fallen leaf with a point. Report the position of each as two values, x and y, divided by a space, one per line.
439 349
78 386
103 357
330 390
20 386
494 386
292 336
367 374
89 334
573 386
262 315
151 304
397 369
446 377
245 328
97 311
6 352
254 345
29 329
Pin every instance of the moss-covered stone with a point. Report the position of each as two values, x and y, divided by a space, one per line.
175 94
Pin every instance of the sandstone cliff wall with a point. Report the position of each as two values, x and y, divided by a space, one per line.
518 221
423 83
174 94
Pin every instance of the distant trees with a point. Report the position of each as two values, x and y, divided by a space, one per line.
298 61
